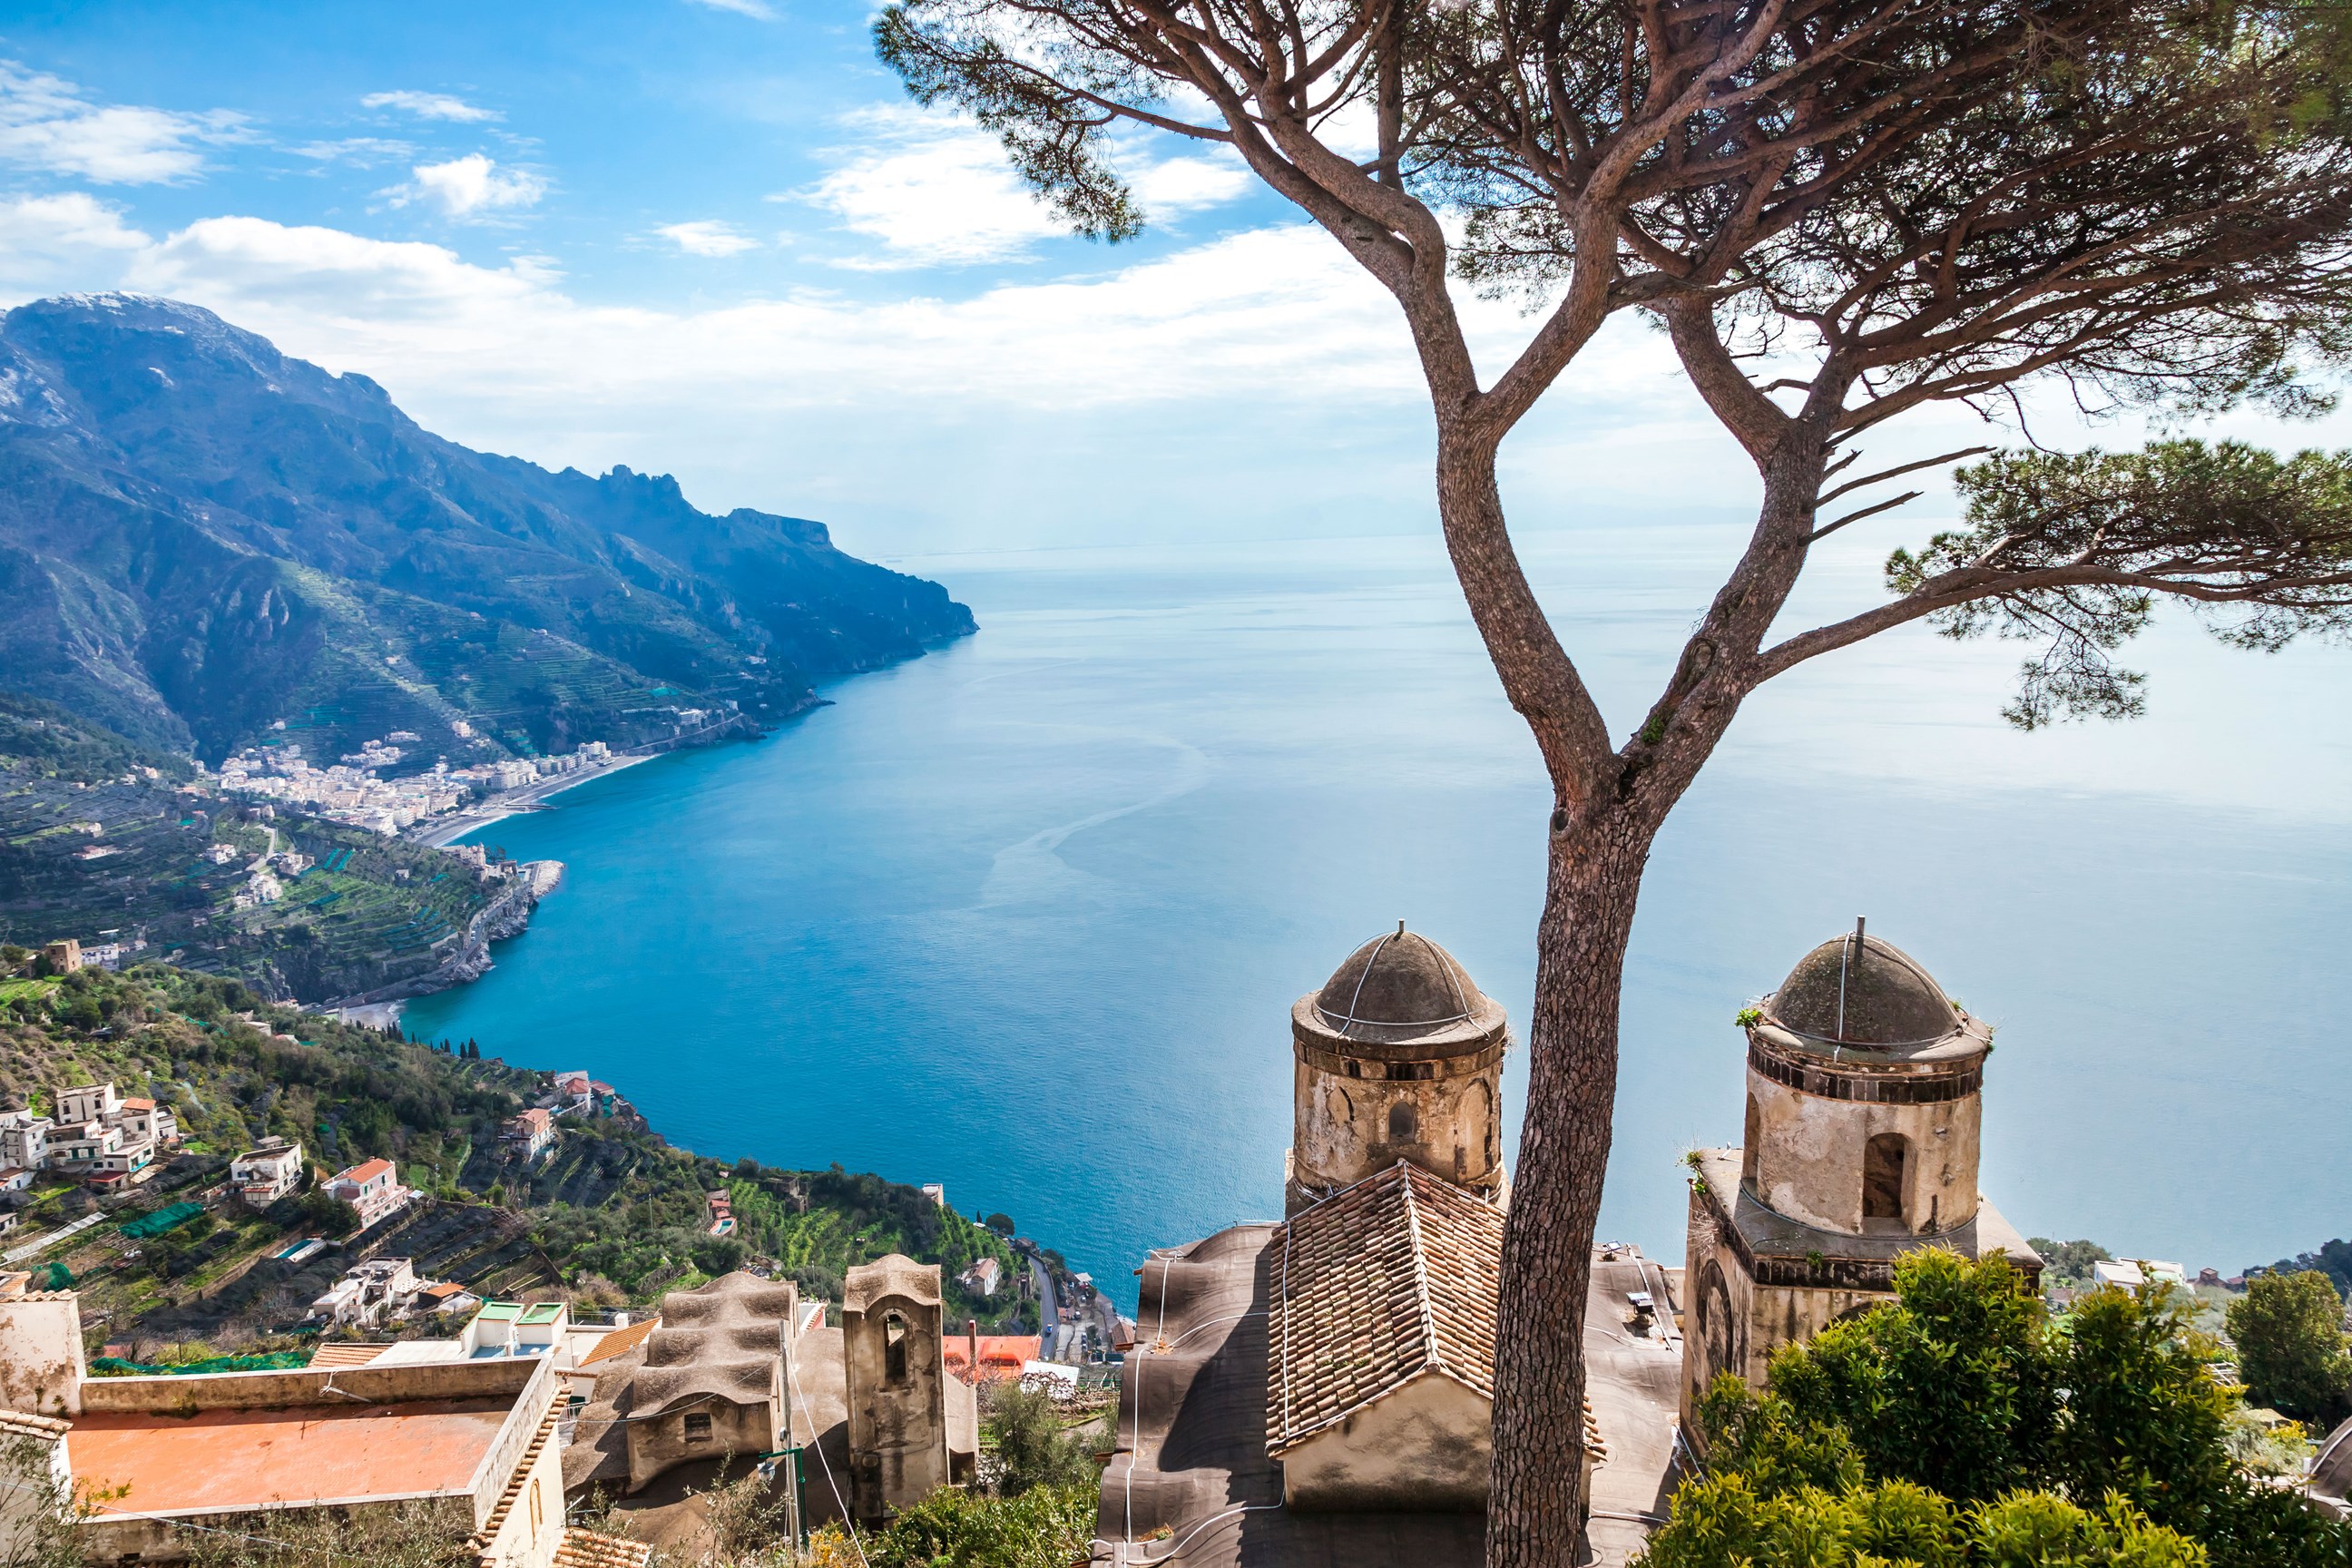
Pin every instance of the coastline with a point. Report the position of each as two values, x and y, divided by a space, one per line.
446 831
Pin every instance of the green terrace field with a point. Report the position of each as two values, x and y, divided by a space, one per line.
388 911
607 1217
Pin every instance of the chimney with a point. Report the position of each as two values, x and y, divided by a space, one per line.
971 1333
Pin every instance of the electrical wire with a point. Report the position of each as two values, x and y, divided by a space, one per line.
793 1372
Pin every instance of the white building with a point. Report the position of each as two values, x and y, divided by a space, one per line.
77 1148
90 1102
372 1187
266 1171
23 1139
145 1121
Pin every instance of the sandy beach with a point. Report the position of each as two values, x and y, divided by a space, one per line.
448 829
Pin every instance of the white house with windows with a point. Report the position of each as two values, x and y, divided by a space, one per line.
146 1122
89 1102
372 1187
266 1171
23 1139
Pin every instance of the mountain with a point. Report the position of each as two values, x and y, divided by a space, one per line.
201 538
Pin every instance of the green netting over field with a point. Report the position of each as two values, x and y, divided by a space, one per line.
276 1361
162 1220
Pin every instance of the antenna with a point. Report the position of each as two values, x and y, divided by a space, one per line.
1400 928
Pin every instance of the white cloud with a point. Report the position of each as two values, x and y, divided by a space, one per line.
364 152
231 263
472 184
707 237
47 123
74 220
936 190
758 10
430 106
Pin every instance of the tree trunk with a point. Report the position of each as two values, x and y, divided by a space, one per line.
1595 875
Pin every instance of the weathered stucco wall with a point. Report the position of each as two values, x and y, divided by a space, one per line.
533 1530
741 1429
1810 1157
1734 1324
1349 1127
1424 1449
275 1390
42 1368
897 1403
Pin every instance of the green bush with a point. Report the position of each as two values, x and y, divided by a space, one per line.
1964 1390
2289 1330
1045 1527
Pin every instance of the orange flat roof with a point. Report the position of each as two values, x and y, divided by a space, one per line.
254 1458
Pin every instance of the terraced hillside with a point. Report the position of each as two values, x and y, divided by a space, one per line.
607 1217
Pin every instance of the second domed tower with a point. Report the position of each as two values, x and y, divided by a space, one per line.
1865 1094
1398 1057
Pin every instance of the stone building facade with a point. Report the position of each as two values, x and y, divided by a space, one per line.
893 1351
1864 1115
1398 1057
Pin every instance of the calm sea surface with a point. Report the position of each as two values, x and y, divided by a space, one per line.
1026 916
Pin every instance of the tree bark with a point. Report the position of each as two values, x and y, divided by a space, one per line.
1594 876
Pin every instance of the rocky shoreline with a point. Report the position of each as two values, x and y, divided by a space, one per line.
506 916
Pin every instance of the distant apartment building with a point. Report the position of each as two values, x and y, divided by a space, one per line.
90 1102
77 1148
530 1134
372 1187
23 1139
266 1171
145 1120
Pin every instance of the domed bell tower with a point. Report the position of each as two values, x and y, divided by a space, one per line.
1399 1056
1865 1113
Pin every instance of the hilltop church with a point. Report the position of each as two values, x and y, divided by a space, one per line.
1320 1390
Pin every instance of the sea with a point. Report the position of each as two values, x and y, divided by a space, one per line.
1025 917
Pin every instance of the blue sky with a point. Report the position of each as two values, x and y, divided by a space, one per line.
714 240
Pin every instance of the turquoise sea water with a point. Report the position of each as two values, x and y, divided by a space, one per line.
1026 916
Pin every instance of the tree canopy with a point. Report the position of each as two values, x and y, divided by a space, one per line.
2291 1348
1963 1411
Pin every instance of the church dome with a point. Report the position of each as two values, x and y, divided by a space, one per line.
1400 986
1862 992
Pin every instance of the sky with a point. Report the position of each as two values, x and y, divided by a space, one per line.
714 238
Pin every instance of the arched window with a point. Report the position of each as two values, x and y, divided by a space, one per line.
1403 1125
1883 1159
1751 1148
894 1349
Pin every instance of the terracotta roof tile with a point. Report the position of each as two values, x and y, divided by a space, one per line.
618 1342
586 1549
1377 1285
345 1355
24 1423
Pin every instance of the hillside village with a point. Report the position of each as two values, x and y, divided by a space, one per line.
200 1318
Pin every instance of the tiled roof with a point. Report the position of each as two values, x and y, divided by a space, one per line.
345 1355
619 1340
366 1171
24 1423
1379 1284
586 1549
137 1105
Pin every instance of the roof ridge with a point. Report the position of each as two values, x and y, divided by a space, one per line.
1420 1253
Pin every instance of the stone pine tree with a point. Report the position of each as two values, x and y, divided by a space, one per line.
1840 210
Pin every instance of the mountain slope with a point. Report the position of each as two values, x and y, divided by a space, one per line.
201 537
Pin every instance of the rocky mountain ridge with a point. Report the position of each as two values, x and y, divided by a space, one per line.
201 539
